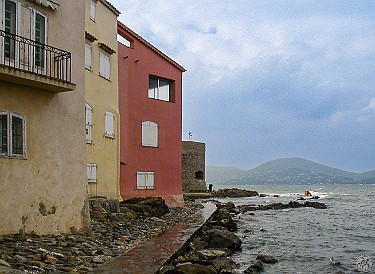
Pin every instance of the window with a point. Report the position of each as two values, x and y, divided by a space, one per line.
40 36
22 20
149 134
88 56
109 125
91 173
160 89
10 24
199 175
104 66
145 180
12 135
88 116
92 10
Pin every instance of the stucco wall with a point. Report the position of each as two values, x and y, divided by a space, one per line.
135 66
102 96
193 161
47 193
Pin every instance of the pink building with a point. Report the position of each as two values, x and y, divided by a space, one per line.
150 102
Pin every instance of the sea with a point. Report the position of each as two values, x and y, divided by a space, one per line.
339 239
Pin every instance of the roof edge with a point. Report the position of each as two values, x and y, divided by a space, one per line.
111 7
122 27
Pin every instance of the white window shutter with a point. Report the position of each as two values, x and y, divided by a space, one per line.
88 111
109 124
91 173
154 134
92 10
104 66
149 180
141 180
146 133
149 134
87 56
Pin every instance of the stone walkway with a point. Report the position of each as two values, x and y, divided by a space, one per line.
150 256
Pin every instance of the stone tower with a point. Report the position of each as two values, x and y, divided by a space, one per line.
193 167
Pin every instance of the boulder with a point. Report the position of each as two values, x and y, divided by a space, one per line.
221 238
150 206
267 259
315 205
256 267
223 218
193 269
235 192
222 263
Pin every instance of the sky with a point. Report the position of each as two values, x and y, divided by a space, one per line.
270 79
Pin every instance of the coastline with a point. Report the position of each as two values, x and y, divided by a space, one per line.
137 222
112 235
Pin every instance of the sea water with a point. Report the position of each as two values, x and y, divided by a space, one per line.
340 239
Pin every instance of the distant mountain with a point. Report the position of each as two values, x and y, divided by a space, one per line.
287 171
220 174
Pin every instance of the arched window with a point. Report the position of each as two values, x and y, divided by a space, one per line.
149 134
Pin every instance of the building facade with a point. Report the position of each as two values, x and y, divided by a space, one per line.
102 107
193 167
150 98
42 94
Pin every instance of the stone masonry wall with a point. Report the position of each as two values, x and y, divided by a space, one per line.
193 167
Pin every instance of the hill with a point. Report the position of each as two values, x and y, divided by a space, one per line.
287 171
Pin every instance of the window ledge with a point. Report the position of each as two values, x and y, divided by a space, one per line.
108 79
13 157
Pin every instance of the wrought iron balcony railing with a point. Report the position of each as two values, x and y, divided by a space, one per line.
23 54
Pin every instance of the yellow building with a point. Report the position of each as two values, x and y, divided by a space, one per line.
102 110
43 185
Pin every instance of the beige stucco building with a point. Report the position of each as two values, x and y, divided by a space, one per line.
102 110
43 183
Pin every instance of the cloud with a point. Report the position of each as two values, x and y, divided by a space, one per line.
370 106
270 78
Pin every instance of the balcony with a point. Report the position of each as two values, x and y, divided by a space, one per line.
32 64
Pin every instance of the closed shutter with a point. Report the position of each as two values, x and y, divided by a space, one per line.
145 180
87 56
149 134
109 124
104 66
91 173
149 180
25 31
141 180
92 10
88 111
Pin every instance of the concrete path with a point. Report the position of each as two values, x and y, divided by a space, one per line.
150 256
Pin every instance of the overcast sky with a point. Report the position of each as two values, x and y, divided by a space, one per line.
270 79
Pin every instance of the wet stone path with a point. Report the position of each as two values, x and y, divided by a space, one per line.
150 256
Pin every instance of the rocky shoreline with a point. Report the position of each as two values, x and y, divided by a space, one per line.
118 227
210 249
113 233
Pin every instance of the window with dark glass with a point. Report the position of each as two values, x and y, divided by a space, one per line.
40 36
10 26
3 134
12 135
161 89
